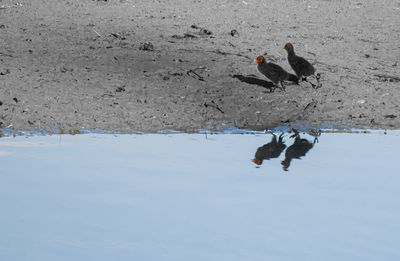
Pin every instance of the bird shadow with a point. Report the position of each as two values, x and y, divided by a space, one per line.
252 79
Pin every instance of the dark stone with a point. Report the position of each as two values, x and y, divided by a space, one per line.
234 32
147 46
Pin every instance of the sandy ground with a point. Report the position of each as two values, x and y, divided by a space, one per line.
83 64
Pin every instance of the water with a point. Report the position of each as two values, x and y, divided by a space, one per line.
200 197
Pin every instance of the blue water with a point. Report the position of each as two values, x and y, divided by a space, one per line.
200 197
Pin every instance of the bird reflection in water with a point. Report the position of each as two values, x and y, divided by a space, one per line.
270 150
276 146
298 149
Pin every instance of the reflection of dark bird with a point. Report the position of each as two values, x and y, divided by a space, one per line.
300 66
270 150
298 149
273 71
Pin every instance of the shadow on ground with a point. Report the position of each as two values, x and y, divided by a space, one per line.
251 79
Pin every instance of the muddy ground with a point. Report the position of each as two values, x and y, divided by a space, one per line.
87 64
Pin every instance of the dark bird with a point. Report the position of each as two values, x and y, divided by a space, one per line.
273 72
298 149
300 66
270 150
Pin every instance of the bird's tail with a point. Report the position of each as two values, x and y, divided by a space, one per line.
293 78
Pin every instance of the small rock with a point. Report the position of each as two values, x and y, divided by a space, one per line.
147 46
234 32
361 101
204 31
120 89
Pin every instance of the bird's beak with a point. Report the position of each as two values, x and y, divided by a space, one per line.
256 60
284 47
256 161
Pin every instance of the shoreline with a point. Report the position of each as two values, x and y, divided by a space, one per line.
123 66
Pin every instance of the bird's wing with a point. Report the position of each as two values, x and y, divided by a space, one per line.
300 61
275 68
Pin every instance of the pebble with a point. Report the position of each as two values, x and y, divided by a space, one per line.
147 46
234 32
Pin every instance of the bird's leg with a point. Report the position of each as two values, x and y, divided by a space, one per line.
272 88
312 85
296 133
318 76
281 137
275 85
282 86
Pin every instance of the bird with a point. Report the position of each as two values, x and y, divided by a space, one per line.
300 66
298 149
270 150
273 72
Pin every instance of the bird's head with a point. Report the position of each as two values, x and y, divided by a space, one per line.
285 164
257 161
259 59
288 47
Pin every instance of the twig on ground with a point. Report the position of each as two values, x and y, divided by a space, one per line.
97 33
194 74
390 78
213 105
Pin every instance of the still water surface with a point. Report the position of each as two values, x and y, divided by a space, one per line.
197 197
